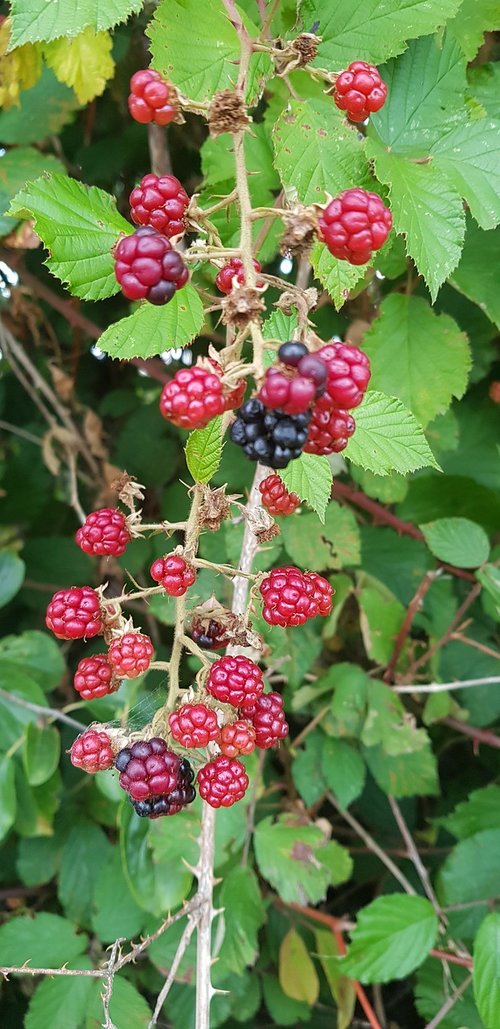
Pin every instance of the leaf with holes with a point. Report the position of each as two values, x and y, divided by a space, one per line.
204 451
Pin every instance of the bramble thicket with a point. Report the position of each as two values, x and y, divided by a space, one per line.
249 576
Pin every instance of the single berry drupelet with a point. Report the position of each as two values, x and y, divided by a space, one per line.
193 397
292 352
173 573
160 201
275 497
270 437
148 768
329 431
74 614
104 533
150 98
348 376
94 678
209 635
222 782
354 225
235 680
148 268
237 738
359 90
268 720
92 751
130 655
194 725
292 597
233 270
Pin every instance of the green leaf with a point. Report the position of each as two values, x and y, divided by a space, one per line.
297 860
317 152
43 939
469 157
484 82
306 767
480 811
150 330
404 342
475 276
404 775
343 769
433 990
61 1002
280 326
79 225
388 437
85 849
474 18
486 979
297 974
470 873
337 277
41 753
43 111
84 63
393 936
349 701
243 916
338 545
126 1008
153 859
8 801
489 577
17 167
282 1009
12 571
204 451
458 541
38 654
342 989
372 30
381 617
36 19
310 477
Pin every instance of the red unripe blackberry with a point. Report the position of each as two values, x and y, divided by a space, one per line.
222 782
148 268
160 201
235 680
237 738
94 677
292 597
150 98
92 752
104 533
74 614
354 225
209 635
348 376
130 655
194 725
268 720
148 768
276 498
193 397
329 431
173 573
291 395
231 272
359 91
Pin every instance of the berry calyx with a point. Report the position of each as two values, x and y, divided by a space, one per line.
329 431
173 573
268 720
237 738
104 533
276 498
233 272
194 725
148 768
209 635
292 597
348 376
95 677
272 438
354 225
160 201
148 268
130 655
150 98
235 680
222 782
92 751
74 614
359 90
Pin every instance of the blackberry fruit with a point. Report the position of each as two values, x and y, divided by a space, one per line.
272 438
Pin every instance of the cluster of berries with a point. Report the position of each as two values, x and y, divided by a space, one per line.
196 395
292 597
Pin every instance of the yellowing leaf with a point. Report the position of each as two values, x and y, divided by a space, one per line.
297 974
85 63
19 69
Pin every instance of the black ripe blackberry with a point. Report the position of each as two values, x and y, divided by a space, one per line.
271 437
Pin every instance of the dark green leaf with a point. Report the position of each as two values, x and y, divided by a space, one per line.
393 936
12 570
41 753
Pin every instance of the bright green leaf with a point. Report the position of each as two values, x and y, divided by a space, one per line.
487 971
381 617
297 974
473 19
480 811
41 753
343 769
85 849
280 326
61 1002
127 1007
393 936
37 19
44 940
150 330
306 766
489 577
204 451
12 570
337 277
310 477
350 699
458 541
17 167
244 914
388 437
114 911
84 63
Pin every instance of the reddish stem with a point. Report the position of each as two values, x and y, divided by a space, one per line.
478 735
453 959
413 608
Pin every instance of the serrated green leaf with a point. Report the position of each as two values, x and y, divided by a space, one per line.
37 19
458 541
388 438
484 84
297 860
405 341
371 30
280 326
404 775
204 451
61 1002
481 810
43 110
43 939
79 225
217 160
243 917
127 1006
343 769
310 477
8 800
337 277
337 546
473 19
393 936
297 974
41 753
486 979
84 63
12 572
469 157
150 330
476 275
17 167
